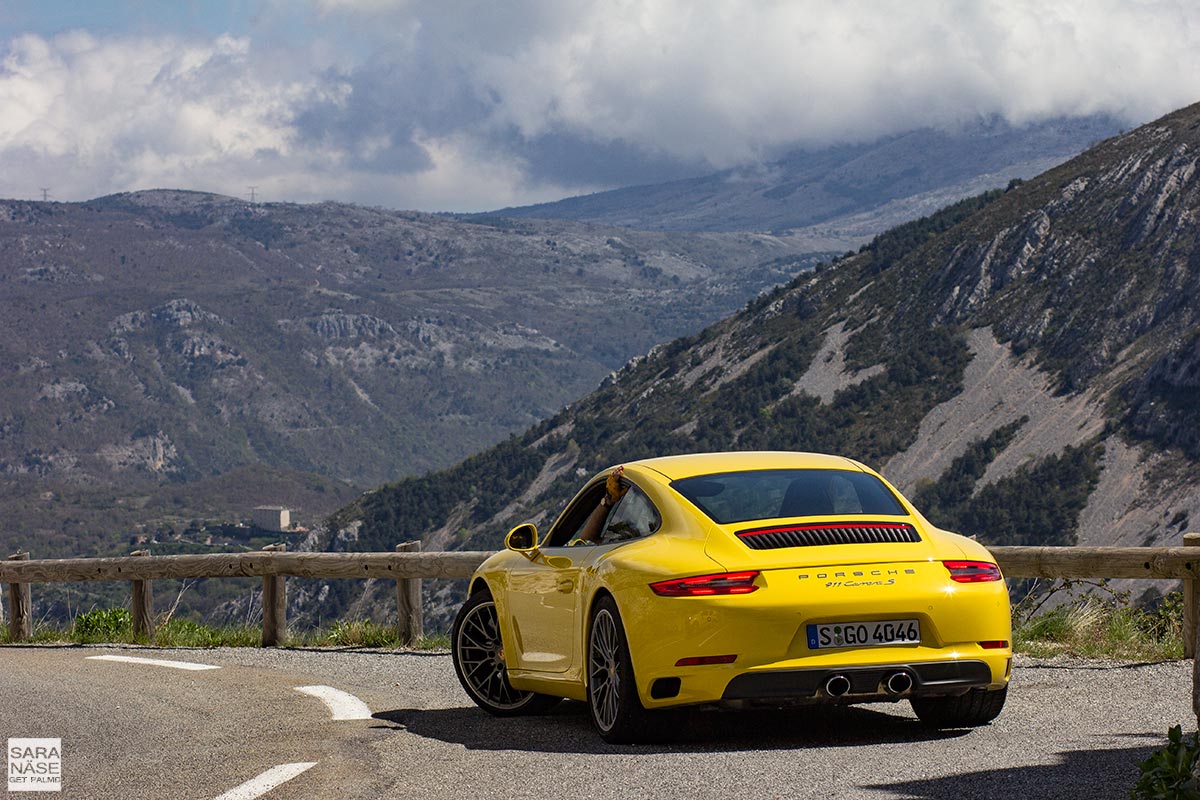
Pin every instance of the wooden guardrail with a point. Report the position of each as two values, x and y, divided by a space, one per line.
408 566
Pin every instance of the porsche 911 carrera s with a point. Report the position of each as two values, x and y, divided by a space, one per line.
736 579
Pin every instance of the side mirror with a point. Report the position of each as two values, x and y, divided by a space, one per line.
522 539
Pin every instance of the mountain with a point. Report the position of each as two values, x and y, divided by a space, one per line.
173 356
1024 363
846 193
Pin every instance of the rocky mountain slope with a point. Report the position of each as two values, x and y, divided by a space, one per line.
1024 363
847 193
174 355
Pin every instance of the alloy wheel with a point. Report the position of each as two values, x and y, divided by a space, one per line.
480 654
604 677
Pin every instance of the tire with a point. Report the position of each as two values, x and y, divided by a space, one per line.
478 654
616 710
976 707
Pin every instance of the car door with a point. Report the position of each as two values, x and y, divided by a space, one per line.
543 598
543 593
547 594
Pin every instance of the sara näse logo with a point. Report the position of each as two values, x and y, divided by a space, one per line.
34 765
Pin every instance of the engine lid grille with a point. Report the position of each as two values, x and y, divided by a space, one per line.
824 534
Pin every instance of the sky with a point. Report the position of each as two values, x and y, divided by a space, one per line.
461 105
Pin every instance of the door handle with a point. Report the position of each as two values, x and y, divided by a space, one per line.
565 584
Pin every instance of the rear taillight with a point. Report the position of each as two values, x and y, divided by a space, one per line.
707 585
973 571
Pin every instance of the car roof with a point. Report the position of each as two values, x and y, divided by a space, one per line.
687 466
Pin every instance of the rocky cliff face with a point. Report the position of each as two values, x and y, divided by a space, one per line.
1024 363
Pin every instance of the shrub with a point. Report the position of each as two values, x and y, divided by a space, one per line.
102 625
1168 773
1097 626
178 632
361 633
1053 626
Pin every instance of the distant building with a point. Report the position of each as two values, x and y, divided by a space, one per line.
276 519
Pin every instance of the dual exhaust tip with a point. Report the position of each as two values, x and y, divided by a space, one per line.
896 683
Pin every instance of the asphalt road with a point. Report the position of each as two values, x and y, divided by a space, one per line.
1070 730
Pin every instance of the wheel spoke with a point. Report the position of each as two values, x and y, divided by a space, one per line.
472 662
475 670
603 670
608 639
474 625
506 690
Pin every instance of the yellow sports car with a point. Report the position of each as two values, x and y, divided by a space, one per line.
736 579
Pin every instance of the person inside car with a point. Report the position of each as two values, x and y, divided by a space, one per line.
614 489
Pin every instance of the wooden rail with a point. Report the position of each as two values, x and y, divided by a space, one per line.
456 564
408 566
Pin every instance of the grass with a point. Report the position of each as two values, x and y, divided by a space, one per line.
1102 628
115 626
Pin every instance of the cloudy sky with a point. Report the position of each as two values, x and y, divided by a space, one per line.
465 105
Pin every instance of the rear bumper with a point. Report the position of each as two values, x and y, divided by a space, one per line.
928 680
766 633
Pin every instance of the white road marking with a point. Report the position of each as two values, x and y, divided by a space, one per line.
157 662
257 787
342 705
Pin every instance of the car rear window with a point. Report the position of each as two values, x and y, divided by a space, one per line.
769 494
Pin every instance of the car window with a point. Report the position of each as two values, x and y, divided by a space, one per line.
635 516
843 496
571 523
768 494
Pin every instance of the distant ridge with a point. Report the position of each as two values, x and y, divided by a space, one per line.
900 177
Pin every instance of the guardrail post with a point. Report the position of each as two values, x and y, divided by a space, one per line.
142 603
1191 612
20 606
410 624
274 602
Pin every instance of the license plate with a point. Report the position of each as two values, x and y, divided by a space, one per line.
877 633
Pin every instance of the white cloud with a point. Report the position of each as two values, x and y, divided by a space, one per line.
88 116
358 6
124 110
427 104
724 80
462 175
459 161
